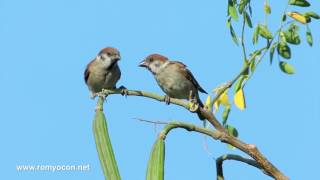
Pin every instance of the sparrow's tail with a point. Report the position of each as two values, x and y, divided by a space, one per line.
200 103
202 106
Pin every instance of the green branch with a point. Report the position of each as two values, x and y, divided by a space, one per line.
187 105
242 38
189 127
242 71
222 158
224 137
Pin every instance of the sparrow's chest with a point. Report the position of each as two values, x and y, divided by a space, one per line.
101 78
174 83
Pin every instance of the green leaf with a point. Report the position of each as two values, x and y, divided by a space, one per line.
232 11
225 114
232 130
286 68
291 34
284 18
312 14
272 49
230 147
242 5
255 35
301 3
299 17
238 84
233 35
247 19
292 37
267 8
309 37
229 22
282 37
293 27
256 53
284 50
264 32
252 66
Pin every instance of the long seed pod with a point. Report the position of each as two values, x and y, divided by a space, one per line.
103 144
155 169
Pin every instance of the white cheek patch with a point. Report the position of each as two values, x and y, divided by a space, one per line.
106 61
153 68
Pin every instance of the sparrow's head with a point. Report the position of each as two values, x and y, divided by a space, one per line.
108 56
154 62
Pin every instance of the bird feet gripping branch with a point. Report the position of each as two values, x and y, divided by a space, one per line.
99 94
194 105
124 91
166 99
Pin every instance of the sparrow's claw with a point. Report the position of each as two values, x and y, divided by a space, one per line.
194 106
193 101
101 94
124 91
167 99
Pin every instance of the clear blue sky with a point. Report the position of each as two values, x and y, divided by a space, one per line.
46 113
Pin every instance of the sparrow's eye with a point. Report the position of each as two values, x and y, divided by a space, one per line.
151 59
109 54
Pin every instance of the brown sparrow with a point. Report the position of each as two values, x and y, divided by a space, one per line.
103 72
174 78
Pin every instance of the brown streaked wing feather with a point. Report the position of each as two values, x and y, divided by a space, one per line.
87 72
189 75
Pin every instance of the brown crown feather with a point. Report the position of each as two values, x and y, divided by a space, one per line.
109 50
157 57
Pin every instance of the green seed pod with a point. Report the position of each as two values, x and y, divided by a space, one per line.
155 169
103 144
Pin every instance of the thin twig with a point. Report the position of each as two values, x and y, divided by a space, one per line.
242 38
187 126
152 122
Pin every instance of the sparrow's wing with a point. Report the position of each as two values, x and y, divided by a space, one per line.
183 68
87 72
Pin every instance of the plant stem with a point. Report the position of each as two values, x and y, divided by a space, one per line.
235 157
189 127
224 137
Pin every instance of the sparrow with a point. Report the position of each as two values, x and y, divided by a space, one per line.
174 78
103 72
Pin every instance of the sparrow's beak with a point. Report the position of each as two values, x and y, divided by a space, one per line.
117 58
143 64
